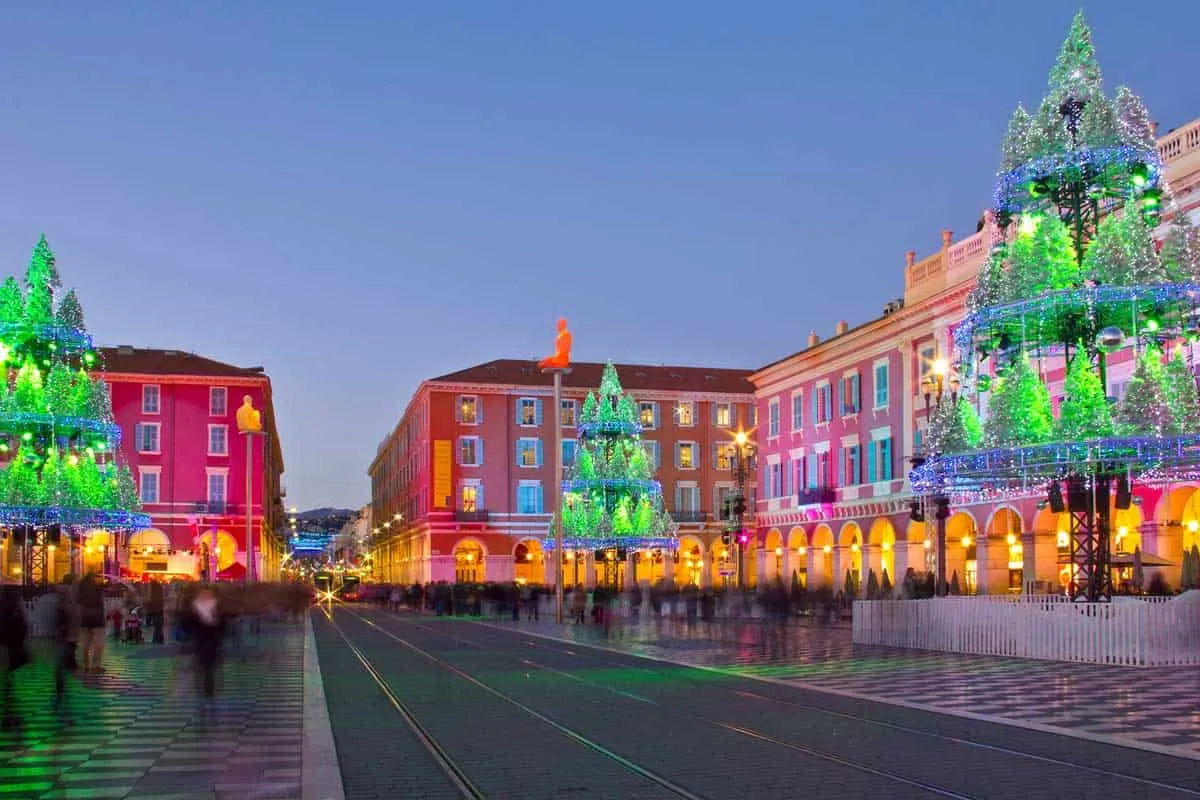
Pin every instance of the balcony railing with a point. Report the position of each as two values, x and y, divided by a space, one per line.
820 494
217 508
689 516
477 515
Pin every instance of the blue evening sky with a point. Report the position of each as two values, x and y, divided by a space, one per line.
360 195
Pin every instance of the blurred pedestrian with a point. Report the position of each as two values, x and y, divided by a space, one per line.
156 608
14 632
67 620
205 627
90 597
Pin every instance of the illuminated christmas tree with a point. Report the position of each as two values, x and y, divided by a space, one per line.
1020 411
1084 412
610 497
1183 400
57 432
1145 411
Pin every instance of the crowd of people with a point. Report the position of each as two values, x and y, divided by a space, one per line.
202 620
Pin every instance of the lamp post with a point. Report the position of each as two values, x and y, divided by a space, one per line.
741 451
249 422
556 490
934 388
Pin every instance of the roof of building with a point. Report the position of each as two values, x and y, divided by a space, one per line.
586 375
152 361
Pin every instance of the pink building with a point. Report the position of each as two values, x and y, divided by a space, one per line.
176 412
843 418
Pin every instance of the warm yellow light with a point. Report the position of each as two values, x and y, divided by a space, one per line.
1193 525
1063 539
570 555
827 549
802 550
740 437
927 544
966 541
941 366
1122 532
778 551
854 547
887 546
529 556
470 556
52 548
1012 539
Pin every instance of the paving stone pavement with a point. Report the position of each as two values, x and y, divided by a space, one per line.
1151 708
140 731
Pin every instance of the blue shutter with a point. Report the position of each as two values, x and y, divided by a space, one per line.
458 448
656 418
657 448
714 413
517 414
871 462
479 410
538 457
917 442
885 458
841 466
518 453
856 392
816 406
676 506
716 456
787 487
137 436
537 412
539 498
479 451
479 505
458 403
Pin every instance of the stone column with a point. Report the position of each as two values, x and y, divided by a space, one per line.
1028 561
589 569
631 559
761 567
706 570
668 566
787 569
981 564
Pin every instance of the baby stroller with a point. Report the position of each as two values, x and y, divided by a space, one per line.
133 626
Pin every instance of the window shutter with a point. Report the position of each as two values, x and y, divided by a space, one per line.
137 435
787 466
871 462
458 404
537 411
517 415
479 410
458 451
479 505
538 457
716 456
677 451
856 392
657 450
518 453
841 466
885 457
479 451
537 492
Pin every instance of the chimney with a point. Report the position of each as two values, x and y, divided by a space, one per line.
947 236
813 339
910 257
841 328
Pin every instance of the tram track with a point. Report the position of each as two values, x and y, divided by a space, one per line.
741 731
935 738
455 767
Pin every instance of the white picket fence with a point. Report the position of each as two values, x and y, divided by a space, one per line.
1129 631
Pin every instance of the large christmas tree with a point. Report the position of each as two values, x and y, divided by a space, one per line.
57 433
610 497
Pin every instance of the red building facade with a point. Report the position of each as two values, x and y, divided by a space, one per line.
462 489
176 412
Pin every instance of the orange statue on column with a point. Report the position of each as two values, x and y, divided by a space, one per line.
249 419
562 349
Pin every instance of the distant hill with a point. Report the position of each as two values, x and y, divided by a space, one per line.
329 520
317 513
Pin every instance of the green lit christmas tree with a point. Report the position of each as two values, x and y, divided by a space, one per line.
1182 398
610 497
56 425
1084 412
1144 411
953 427
1020 411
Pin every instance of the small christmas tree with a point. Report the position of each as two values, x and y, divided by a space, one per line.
1099 126
1084 412
1183 401
1076 72
1020 411
42 279
1133 120
1015 149
12 302
1180 254
1042 257
1144 411
953 427
70 312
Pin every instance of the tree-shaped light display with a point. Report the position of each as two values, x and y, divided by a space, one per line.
56 425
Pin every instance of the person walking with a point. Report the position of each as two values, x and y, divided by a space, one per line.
66 634
90 597
156 608
14 631
205 627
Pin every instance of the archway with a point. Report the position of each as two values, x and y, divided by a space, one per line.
469 561
882 539
221 546
961 532
850 543
797 545
918 547
1003 554
529 562
822 560
773 550
1126 541
689 566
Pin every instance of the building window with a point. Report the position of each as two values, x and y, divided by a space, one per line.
470 451
723 415
470 496
569 446
529 411
881 385
774 480
147 437
149 488
773 418
879 460
849 395
721 457
218 401
468 411
653 453
685 413
529 497
797 411
648 412
753 408
822 402
216 491
218 440
150 399
723 502
850 466
685 455
567 413
687 498
529 452
926 357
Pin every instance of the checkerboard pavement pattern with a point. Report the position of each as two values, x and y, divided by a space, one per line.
141 731
1158 707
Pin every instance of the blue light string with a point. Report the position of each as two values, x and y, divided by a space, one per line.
616 484
612 426
64 336
10 420
609 542
43 516
1012 188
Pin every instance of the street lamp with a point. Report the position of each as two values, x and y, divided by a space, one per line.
741 452
934 388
